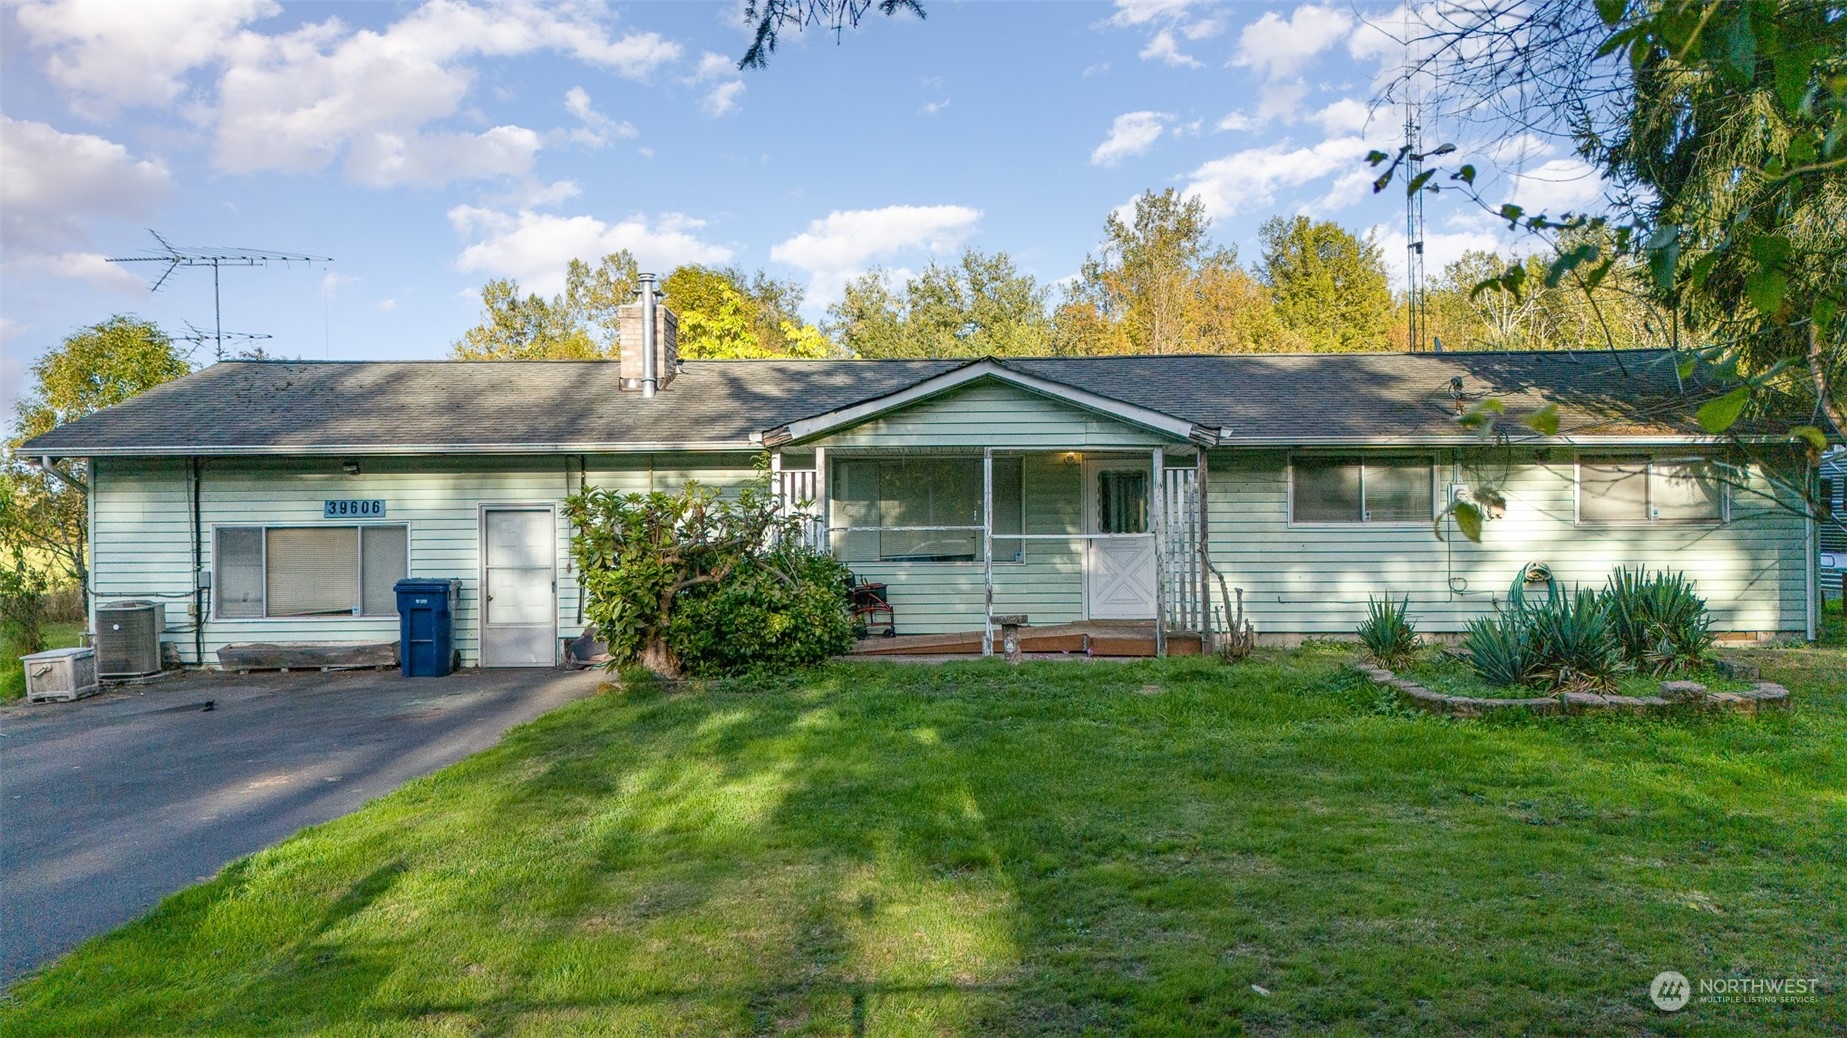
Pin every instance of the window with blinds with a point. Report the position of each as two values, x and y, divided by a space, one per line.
1339 490
1649 490
305 571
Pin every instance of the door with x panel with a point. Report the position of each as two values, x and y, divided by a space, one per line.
1119 567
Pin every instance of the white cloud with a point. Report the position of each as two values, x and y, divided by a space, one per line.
1164 47
51 182
839 246
933 107
1132 133
1141 12
1236 121
129 53
1441 248
1280 101
1345 116
1280 47
532 248
90 267
597 128
1251 177
1557 187
722 98
302 99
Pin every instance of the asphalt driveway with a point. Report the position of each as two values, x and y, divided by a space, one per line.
111 803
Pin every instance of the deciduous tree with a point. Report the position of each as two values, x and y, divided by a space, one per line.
1329 286
982 305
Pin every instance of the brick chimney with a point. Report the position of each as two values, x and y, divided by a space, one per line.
640 371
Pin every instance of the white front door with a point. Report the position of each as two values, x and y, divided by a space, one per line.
519 608
1118 569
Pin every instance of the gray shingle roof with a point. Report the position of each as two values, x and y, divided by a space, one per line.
378 406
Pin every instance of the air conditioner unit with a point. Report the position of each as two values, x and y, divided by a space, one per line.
128 639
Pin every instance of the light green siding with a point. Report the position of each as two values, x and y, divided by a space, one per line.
1314 580
944 597
991 414
142 536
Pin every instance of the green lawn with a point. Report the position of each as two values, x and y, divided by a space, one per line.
1058 848
13 674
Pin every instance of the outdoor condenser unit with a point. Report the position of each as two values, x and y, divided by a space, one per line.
128 639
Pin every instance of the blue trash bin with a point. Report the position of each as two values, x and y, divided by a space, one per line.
426 626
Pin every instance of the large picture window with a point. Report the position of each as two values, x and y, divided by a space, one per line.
1343 490
874 498
1649 490
300 571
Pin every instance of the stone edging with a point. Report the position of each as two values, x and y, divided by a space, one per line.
1675 696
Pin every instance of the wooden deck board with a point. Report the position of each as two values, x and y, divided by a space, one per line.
1083 639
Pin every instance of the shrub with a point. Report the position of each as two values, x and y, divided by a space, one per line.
22 607
1500 650
698 582
1387 633
1574 644
1659 620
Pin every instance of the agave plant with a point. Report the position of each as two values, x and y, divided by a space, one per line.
1500 650
1574 643
1387 632
1659 619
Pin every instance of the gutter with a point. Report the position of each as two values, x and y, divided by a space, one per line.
388 449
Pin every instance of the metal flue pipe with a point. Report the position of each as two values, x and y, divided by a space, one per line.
650 363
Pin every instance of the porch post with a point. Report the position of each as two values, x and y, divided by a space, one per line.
1205 558
1157 522
987 551
823 523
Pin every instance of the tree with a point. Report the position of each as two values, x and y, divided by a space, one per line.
980 306
726 315
1617 311
44 512
769 18
1722 128
578 324
1329 286
1160 285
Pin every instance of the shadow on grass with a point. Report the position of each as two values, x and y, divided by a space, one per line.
973 848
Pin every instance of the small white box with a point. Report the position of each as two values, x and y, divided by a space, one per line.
60 675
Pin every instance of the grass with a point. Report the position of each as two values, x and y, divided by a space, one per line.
1057 848
13 675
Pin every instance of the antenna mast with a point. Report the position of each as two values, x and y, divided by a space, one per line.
175 256
1413 218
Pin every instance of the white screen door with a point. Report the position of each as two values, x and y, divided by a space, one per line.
519 609
1118 570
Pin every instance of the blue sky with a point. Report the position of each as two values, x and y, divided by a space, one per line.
429 147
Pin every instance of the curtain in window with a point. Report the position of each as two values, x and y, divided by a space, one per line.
237 561
313 571
1326 491
1613 491
384 560
1400 491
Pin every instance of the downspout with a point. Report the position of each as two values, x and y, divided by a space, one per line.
650 374
198 565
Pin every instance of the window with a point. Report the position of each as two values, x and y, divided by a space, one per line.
1336 490
873 497
282 571
1649 490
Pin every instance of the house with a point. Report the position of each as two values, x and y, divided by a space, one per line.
278 501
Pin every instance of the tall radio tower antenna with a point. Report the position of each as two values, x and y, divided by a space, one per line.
1414 201
175 257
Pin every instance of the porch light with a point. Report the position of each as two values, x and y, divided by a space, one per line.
350 466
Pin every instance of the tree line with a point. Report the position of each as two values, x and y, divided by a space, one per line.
1158 283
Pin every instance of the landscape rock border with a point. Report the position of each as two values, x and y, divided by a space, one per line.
1676 696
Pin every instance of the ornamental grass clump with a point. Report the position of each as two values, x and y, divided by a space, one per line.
1500 651
1574 644
1660 621
1387 633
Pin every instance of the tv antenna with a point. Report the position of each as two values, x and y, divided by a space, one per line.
195 334
1414 223
175 257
